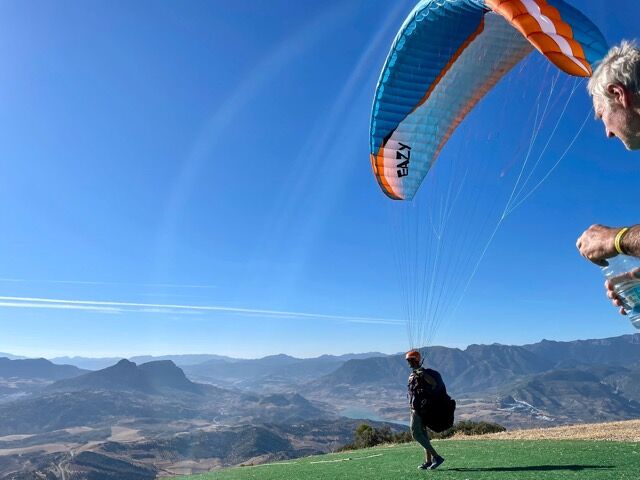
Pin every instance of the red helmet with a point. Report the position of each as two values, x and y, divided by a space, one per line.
413 355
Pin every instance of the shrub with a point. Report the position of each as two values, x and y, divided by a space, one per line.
366 436
468 427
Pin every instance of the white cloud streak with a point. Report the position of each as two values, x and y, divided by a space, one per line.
26 304
134 307
117 284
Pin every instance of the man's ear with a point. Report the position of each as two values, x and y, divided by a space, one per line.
620 94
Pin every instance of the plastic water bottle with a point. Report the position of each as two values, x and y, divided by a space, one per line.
623 272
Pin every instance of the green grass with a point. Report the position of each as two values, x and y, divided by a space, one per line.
465 460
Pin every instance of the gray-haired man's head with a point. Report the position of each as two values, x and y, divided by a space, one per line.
615 88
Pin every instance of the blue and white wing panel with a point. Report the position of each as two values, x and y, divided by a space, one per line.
446 57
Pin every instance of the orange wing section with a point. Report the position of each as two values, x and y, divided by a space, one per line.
543 25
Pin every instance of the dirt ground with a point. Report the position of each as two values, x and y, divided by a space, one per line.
627 431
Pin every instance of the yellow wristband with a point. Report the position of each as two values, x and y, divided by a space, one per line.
618 239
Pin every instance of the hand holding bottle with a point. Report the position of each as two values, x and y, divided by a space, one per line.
623 285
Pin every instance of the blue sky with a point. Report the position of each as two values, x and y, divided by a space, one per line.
194 177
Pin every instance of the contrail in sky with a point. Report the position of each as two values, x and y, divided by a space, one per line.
122 307
81 282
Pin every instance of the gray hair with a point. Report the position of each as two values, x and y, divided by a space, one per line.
621 66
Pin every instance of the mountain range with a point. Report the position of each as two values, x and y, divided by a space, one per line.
272 373
35 369
548 382
140 419
126 420
104 362
182 361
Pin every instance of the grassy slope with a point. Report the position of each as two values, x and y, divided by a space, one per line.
465 460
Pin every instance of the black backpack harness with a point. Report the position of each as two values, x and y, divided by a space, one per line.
428 398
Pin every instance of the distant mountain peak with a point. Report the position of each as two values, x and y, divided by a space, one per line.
124 363
151 378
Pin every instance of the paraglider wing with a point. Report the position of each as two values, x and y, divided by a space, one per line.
446 57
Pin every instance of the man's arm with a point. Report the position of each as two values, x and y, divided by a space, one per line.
597 243
630 243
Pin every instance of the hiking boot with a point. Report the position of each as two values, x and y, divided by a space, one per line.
436 463
425 465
